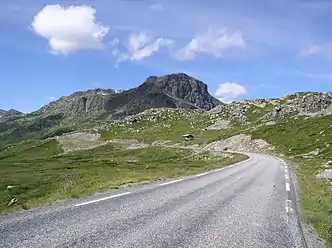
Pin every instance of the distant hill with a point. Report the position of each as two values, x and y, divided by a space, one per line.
6 114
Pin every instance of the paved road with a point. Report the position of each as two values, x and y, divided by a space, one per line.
246 205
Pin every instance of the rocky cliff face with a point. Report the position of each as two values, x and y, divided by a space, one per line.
80 104
188 89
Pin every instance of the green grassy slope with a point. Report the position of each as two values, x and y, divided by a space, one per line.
169 124
294 137
42 174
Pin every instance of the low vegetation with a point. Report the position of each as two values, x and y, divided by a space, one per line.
295 137
38 171
170 124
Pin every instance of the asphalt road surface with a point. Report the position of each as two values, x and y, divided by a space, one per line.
249 204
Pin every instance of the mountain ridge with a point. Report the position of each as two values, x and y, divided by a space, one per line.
85 108
176 90
95 107
5 114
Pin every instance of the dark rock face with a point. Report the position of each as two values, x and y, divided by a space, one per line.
80 104
170 91
184 87
4 115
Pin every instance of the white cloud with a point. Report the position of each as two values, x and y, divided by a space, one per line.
51 98
213 43
69 29
157 6
229 91
312 50
141 46
315 49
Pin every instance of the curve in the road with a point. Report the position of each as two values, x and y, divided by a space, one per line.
242 205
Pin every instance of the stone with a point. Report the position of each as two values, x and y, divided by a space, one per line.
219 125
12 201
328 164
326 174
188 136
11 187
240 142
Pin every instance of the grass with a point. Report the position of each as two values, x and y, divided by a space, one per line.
294 137
41 175
171 125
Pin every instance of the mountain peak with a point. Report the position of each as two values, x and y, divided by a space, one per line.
6 114
182 86
177 90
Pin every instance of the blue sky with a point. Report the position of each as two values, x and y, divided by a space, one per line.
241 49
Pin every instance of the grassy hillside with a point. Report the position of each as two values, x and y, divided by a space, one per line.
40 172
295 137
169 124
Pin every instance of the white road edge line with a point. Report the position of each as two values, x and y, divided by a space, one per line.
101 199
287 187
202 174
286 176
167 183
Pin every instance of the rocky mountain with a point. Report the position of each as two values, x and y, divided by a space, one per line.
9 114
170 91
86 107
91 108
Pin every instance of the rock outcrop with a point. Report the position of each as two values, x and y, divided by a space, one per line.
12 113
181 86
298 104
303 104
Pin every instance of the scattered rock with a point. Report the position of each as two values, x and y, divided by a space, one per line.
270 123
12 201
161 142
188 136
242 143
326 174
132 161
219 125
328 164
11 186
311 154
304 104
82 136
